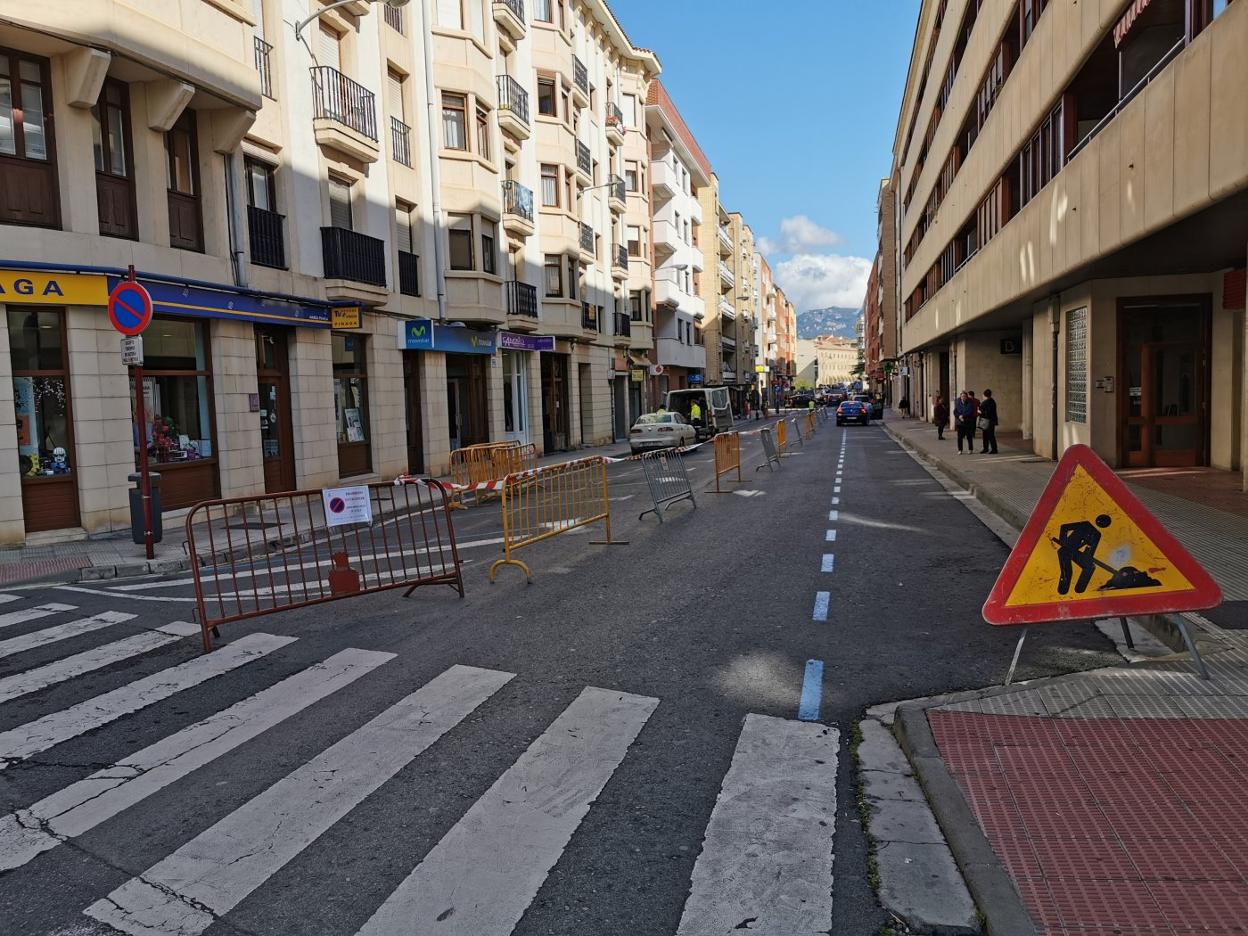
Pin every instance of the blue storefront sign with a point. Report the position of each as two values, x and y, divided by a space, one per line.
198 302
513 341
426 335
696 379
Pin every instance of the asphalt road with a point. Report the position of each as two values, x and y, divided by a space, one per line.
691 627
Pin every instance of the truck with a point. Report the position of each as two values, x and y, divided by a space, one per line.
716 408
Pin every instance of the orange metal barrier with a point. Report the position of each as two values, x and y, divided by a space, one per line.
810 424
487 461
782 437
552 500
258 555
727 457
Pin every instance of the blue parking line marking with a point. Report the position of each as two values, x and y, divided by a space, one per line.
812 691
821 605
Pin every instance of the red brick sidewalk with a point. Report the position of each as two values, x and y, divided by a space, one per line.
1111 825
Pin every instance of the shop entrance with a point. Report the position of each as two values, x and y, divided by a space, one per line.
276 437
586 388
465 399
516 396
415 418
1163 373
554 402
45 426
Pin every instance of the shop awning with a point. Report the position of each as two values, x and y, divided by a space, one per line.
1127 20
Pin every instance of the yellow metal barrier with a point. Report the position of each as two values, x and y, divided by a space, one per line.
476 464
727 457
552 500
810 424
782 437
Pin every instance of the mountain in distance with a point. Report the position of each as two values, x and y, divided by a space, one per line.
835 320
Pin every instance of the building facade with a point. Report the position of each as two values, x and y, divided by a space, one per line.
1072 215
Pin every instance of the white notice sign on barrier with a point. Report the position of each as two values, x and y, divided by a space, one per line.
347 505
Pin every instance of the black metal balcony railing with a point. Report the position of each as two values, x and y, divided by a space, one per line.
394 18
617 189
580 74
615 116
589 317
584 159
623 324
268 240
517 199
516 7
587 238
512 97
336 97
352 256
621 257
400 140
521 299
262 66
409 273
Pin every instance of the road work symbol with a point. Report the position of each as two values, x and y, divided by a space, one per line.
1092 550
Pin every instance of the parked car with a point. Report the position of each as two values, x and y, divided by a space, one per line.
800 400
876 404
716 406
853 411
660 430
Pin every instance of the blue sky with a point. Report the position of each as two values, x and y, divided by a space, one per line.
795 103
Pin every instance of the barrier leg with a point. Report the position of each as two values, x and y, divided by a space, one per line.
528 573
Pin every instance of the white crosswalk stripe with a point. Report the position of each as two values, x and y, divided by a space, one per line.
42 733
67 668
212 873
481 877
47 635
10 618
83 805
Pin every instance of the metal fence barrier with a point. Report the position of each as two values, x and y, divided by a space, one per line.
257 555
668 481
782 438
727 458
770 455
547 501
811 419
488 461
797 431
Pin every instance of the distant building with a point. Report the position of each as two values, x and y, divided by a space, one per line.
825 360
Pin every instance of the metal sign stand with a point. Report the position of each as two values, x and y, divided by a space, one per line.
1018 649
668 481
145 481
770 455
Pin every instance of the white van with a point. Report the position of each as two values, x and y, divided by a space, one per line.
716 408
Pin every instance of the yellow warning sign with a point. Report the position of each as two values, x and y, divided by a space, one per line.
1091 549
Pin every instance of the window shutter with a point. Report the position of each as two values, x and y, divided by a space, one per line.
450 14
339 204
328 51
403 222
394 95
477 16
257 12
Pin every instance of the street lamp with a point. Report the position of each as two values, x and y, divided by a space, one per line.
393 4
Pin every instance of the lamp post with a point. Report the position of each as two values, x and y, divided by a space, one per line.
393 4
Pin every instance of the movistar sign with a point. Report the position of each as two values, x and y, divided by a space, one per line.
426 335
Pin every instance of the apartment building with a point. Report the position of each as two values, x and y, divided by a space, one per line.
880 306
1072 215
747 304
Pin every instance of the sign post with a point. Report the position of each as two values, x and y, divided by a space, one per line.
130 311
1091 550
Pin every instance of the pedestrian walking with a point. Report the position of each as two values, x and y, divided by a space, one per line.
904 407
988 423
964 421
940 416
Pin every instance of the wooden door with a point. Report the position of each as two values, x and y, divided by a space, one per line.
415 418
276 425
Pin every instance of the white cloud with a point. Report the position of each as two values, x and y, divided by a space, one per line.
798 235
816 281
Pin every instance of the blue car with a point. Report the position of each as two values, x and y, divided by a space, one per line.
853 411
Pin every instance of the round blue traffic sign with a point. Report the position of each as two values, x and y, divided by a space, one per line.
337 505
129 308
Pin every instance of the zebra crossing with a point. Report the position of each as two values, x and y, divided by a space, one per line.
765 861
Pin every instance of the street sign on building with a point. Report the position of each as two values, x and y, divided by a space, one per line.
1091 550
132 351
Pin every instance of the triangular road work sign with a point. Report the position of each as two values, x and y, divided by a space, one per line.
1092 550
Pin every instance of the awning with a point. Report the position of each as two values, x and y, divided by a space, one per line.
1127 20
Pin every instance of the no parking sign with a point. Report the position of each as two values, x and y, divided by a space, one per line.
347 505
130 308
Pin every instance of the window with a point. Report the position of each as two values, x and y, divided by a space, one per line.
26 150
630 177
543 12
460 233
454 118
630 110
483 133
550 186
1077 365
564 100
574 275
110 137
38 357
394 94
185 223
405 240
403 237
351 404
450 14
634 241
489 237
546 96
340 204
260 184
329 48
636 305
554 275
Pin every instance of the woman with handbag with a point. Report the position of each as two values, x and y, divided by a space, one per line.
988 423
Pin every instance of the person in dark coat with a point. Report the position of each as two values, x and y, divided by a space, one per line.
940 416
964 421
988 413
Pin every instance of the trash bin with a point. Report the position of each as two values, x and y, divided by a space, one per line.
136 507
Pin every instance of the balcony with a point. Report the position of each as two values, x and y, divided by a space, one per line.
672 353
513 107
409 272
726 309
663 181
586 243
344 114
725 242
262 66
728 342
400 139
353 258
615 123
666 238
394 19
517 208
617 195
619 262
589 318
726 276
580 81
268 241
521 300
641 336
509 15
584 162
623 328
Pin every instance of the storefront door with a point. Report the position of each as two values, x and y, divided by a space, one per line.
466 379
1163 375
273 379
455 410
415 415
516 396
45 426
554 402
620 398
